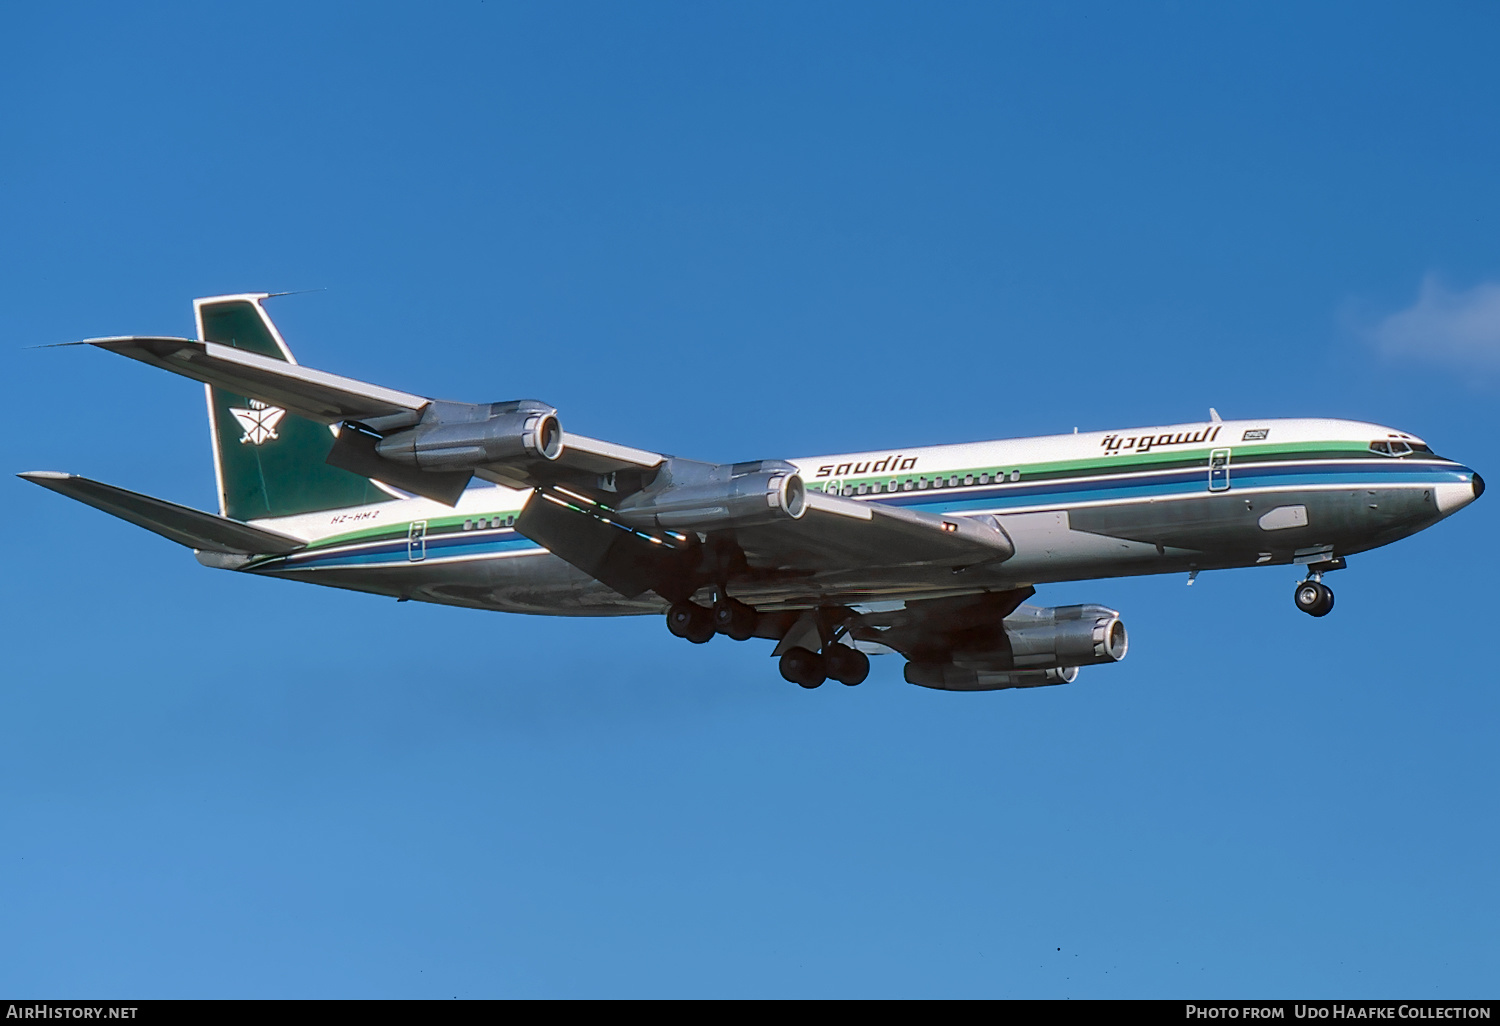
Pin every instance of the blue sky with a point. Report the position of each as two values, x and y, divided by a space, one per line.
738 232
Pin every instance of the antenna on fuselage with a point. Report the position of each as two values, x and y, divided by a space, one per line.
1213 416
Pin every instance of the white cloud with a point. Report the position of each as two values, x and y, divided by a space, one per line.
1445 326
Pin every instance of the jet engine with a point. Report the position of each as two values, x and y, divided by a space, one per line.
460 436
691 496
1040 646
1064 636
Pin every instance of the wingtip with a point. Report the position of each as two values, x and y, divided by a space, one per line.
44 475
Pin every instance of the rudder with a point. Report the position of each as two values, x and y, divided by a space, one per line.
268 462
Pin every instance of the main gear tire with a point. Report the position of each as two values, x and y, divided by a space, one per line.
691 622
803 667
847 665
735 619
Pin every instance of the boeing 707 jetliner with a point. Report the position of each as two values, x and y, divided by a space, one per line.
927 552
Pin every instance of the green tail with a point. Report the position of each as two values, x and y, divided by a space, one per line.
269 463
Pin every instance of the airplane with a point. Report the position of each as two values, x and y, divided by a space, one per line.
928 552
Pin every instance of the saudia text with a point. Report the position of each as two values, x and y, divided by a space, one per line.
891 464
1145 443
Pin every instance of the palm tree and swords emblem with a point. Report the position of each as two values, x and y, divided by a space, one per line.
259 421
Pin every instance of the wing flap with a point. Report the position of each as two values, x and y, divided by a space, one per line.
181 524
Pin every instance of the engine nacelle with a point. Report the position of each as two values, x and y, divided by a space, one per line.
1064 636
689 496
1041 646
454 436
950 677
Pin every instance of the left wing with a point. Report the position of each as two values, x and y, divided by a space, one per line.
830 534
842 534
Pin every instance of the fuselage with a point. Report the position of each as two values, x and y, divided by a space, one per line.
1078 506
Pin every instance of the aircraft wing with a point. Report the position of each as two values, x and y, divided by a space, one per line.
837 534
333 399
832 534
313 394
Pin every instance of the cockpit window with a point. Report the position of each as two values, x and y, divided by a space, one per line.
1397 447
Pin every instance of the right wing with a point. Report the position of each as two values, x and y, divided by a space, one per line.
334 399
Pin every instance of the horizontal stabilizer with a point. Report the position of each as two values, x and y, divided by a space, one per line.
181 524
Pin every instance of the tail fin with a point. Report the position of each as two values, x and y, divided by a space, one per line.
268 462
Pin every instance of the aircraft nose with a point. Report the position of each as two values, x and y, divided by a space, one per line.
1456 495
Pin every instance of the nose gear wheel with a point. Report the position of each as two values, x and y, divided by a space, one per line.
1314 598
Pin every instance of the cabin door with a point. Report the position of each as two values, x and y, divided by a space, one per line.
416 541
1218 471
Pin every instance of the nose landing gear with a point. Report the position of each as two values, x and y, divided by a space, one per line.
1314 598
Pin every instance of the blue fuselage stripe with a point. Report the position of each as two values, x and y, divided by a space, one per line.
1179 483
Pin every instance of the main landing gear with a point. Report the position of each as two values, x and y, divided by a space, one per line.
800 665
838 662
1312 596
728 616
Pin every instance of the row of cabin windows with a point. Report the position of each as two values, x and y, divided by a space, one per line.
919 483
484 522
1396 447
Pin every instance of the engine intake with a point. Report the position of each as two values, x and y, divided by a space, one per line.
455 436
706 497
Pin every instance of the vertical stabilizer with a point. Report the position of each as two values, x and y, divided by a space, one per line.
268 462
